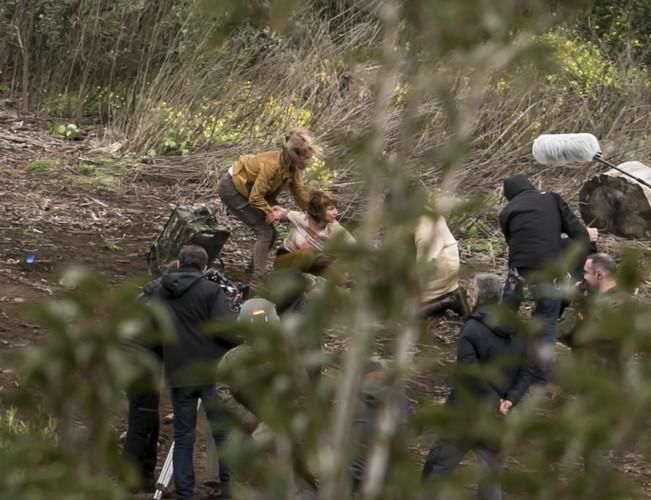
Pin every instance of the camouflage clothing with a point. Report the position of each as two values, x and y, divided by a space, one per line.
187 225
588 330
227 397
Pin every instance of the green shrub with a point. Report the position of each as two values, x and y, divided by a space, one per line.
69 131
44 165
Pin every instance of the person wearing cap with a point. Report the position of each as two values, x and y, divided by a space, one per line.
254 312
249 189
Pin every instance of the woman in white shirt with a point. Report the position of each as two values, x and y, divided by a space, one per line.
306 244
438 251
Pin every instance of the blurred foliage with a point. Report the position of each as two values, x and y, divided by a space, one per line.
444 54
74 379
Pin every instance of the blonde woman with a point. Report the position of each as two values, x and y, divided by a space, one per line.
250 187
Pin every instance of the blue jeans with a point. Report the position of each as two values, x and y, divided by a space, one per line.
184 402
547 309
447 453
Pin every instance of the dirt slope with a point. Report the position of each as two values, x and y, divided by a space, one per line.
86 205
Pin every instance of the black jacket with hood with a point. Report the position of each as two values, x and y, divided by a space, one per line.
492 364
192 301
532 223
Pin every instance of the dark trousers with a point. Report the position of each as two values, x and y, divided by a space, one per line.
265 234
141 443
547 309
184 402
447 453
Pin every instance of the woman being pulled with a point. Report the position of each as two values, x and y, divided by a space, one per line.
306 245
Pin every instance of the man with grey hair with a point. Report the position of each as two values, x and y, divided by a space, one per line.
492 375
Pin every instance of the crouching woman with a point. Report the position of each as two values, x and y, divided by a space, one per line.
305 247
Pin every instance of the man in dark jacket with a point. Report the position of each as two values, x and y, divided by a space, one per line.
141 441
493 375
532 223
189 361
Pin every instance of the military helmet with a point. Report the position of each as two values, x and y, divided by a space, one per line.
258 311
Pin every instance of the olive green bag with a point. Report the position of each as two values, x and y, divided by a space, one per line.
187 225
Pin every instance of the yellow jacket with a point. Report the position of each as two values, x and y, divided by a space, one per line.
259 178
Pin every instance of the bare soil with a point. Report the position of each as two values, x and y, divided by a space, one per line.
109 226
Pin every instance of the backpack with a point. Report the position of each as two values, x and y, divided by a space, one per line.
187 225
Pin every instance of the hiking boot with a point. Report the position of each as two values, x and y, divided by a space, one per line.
458 303
218 490
455 301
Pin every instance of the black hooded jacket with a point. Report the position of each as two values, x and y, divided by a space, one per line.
492 364
532 223
192 301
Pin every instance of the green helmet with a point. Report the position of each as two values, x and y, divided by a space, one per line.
258 311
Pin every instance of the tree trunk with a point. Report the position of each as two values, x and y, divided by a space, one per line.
618 204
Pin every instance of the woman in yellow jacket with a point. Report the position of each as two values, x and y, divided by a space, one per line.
250 187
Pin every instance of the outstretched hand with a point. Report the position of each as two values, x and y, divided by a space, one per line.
593 232
277 214
504 407
271 217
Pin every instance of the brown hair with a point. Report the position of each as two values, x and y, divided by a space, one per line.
193 256
318 204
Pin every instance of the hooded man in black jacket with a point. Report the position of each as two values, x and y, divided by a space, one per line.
493 374
141 440
532 223
189 361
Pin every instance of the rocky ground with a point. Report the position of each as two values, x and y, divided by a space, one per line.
85 202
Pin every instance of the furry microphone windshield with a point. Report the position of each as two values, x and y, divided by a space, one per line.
562 149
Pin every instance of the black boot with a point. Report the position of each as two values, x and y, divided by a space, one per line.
459 304
435 307
455 301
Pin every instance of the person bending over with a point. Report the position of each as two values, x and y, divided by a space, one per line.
250 187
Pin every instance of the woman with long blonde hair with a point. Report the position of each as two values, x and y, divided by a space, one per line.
250 187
